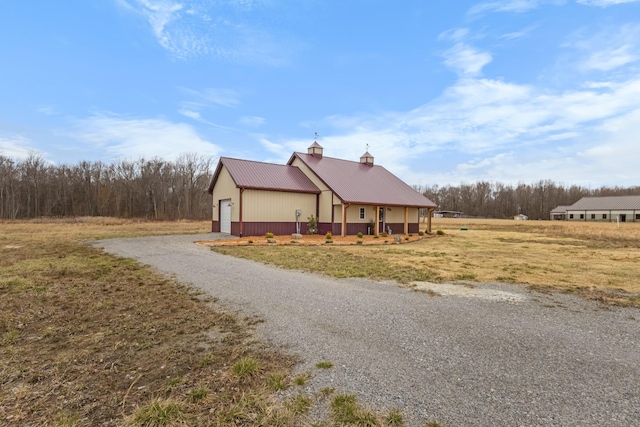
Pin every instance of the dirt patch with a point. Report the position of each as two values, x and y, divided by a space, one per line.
460 290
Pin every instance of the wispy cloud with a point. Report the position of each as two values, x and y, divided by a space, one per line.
605 3
608 49
213 96
513 6
252 121
465 59
16 147
507 131
130 138
229 31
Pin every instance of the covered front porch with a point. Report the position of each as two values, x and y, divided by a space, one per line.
351 218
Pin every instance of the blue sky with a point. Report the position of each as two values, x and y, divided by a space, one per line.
442 92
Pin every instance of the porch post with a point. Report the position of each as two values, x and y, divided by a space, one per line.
406 220
377 222
429 215
344 219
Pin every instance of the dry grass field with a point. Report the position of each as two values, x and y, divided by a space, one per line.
596 260
88 339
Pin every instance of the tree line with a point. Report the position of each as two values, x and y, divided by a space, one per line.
160 189
153 189
497 200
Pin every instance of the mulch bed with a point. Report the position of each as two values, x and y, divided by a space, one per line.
314 240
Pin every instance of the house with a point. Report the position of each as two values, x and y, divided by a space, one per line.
346 197
615 208
559 213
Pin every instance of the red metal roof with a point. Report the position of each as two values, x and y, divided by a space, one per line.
264 176
358 183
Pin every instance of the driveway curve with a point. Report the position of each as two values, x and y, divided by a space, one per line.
463 358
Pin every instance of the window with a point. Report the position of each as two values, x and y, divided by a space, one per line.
570 216
361 213
593 216
581 216
604 216
637 217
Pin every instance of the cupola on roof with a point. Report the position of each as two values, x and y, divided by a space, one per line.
366 159
315 149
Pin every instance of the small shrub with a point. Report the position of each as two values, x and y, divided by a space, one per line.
328 241
250 242
312 225
359 235
420 233
440 233
328 236
384 234
269 235
358 242
376 237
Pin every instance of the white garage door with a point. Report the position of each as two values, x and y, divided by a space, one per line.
225 216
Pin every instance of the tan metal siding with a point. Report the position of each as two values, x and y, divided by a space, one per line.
326 195
353 214
276 206
225 189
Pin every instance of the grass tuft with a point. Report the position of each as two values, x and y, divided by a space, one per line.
198 394
394 418
246 367
299 404
301 379
276 381
159 412
324 365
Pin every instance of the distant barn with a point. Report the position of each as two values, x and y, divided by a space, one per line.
615 208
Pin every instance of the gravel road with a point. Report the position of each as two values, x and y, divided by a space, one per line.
492 355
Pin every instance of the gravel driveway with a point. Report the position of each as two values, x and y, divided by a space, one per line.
493 355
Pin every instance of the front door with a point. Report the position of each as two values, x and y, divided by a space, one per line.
623 218
225 216
381 221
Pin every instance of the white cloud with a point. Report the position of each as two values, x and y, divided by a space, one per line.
16 147
514 6
252 121
214 96
610 48
604 3
224 30
130 138
466 60
507 132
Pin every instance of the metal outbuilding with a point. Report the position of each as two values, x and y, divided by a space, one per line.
345 197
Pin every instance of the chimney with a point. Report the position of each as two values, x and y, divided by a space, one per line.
366 159
315 150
